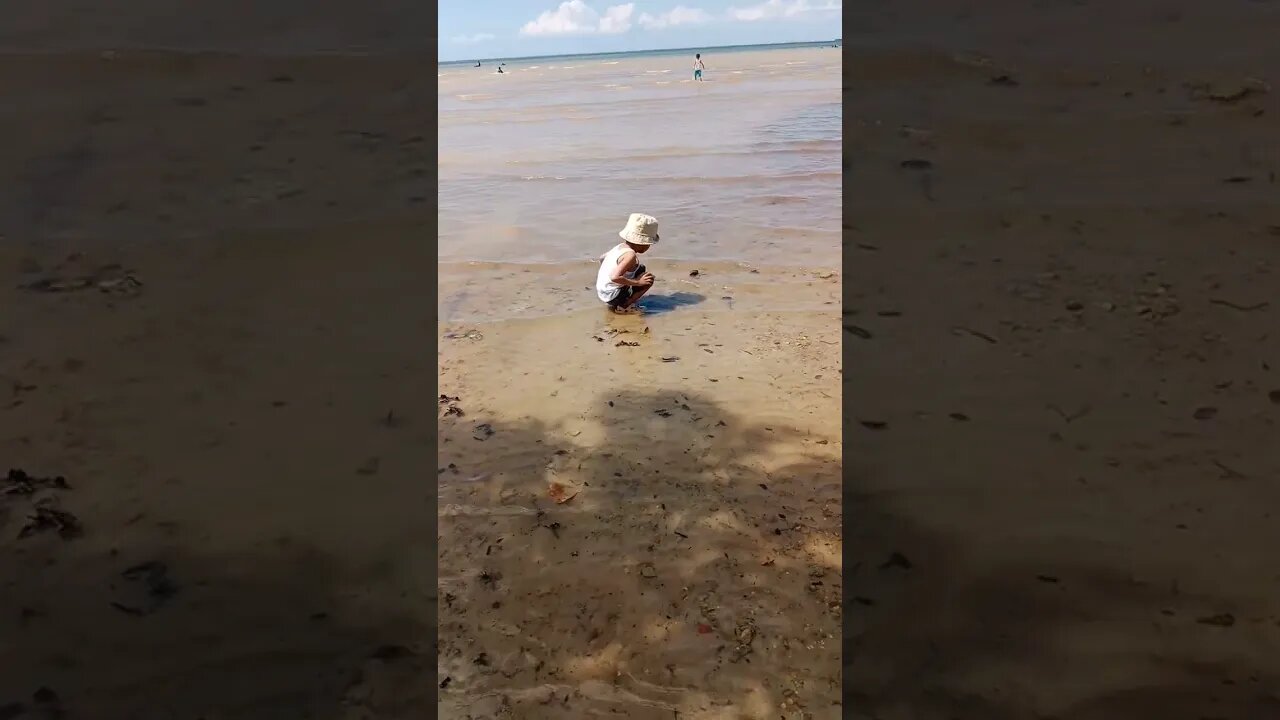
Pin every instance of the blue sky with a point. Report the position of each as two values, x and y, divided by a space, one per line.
516 28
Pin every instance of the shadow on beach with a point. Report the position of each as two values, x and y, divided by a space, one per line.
256 538
935 630
695 566
164 629
660 303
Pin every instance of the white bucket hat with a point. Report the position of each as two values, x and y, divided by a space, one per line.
641 229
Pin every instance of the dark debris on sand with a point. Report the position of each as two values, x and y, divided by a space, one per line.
46 704
109 279
1227 93
20 482
449 406
43 516
148 587
1222 620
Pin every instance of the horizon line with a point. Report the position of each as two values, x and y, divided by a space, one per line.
696 48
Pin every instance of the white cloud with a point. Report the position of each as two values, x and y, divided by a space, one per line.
781 10
617 19
471 39
679 15
575 17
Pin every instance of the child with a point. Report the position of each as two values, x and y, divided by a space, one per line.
698 67
622 280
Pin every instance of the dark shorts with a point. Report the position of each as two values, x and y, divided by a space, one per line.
626 291
622 297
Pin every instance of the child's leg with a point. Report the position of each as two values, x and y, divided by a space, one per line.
636 295
623 298
636 292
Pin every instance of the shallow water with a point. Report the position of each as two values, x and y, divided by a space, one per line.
544 162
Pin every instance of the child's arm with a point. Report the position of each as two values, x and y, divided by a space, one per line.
626 263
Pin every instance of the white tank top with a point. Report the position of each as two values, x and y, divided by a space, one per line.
606 288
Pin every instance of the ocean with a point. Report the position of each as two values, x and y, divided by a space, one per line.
661 52
543 163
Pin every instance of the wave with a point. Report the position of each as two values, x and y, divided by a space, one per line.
780 199
548 110
768 147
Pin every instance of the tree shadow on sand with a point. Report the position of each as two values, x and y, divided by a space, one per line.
275 634
936 629
696 570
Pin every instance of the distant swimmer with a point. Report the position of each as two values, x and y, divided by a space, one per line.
698 67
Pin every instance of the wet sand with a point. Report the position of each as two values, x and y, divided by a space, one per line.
1077 381
693 566
250 416
639 516
1060 501
539 168
214 278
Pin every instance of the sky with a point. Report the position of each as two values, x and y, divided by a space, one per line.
471 29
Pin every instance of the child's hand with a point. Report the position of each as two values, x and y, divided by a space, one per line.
647 279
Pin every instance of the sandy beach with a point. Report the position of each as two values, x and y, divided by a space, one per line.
639 529
214 311
196 338
1061 390
640 515
1060 383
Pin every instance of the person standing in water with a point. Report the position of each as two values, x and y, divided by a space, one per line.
698 67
